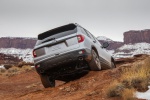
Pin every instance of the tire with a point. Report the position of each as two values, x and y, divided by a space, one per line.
113 65
95 62
47 81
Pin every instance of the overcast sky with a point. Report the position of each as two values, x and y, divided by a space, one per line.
110 18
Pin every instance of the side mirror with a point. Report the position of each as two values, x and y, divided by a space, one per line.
105 45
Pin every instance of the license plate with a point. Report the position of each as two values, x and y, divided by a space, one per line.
57 47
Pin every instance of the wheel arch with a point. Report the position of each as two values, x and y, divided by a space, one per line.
112 59
92 64
94 48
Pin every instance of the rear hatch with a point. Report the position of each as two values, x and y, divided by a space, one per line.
57 41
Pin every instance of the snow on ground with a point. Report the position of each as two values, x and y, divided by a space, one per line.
143 95
139 46
32 66
2 66
25 54
132 49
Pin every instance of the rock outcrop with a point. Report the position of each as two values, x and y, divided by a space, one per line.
9 59
113 45
137 36
16 42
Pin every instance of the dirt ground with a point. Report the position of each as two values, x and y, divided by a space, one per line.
27 85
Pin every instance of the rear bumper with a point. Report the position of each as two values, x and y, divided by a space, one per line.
64 59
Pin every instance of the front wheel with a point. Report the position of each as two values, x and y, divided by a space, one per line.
95 62
113 65
47 81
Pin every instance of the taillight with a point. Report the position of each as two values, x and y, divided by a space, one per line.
37 66
34 53
80 38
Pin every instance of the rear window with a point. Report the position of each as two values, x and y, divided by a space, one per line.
59 32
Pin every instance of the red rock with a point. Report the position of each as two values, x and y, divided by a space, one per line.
9 59
22 43
137 36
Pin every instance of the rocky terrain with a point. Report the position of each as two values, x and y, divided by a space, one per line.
26 84
129 50
135 42
130 37
9 59
24 54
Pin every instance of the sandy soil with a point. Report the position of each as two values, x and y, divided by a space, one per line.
27 85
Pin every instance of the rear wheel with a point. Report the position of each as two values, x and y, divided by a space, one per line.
47 81
95 62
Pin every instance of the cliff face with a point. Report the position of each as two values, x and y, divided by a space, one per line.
21 43
137 36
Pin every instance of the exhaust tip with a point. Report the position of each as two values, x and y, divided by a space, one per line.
80 58
41 71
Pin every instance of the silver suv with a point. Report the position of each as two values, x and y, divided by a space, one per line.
65 52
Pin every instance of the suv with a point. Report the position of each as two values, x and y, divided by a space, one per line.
66 51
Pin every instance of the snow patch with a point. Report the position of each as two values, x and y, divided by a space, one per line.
129 50
143 95
32 66
25 54
2 67
140 46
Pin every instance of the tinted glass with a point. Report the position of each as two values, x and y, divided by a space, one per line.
60 31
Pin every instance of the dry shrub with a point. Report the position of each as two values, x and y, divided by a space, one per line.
2 70
137 76
15 70
7 66
21 64
128 94
132 78
26 68
147 66
115 89
12 71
